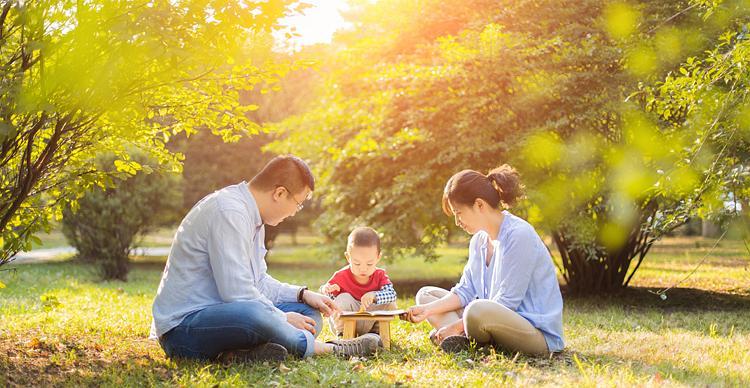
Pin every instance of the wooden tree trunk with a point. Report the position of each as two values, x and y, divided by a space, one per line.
593 269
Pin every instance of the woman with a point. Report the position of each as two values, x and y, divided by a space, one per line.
508 295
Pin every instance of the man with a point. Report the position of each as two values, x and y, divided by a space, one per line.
216 299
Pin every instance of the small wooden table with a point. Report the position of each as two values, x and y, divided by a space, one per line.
384 327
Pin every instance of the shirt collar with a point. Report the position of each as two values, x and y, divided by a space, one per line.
252 205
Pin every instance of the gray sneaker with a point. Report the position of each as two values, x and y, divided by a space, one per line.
455 344
380 340
265 352
364 345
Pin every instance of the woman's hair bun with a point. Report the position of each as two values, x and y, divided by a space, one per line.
506 180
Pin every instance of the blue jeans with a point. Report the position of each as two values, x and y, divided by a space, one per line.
207 333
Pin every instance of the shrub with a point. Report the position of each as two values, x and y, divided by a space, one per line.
106 222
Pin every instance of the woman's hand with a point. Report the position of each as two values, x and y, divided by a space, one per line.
456 328
301 321
416 314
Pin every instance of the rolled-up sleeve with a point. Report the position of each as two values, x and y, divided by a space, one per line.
466 288
386 294
517 267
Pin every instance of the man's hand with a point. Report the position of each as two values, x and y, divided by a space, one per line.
329 288
301 321
416 314
456 328
321 302
367 299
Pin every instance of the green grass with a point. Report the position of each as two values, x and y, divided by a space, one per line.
59 325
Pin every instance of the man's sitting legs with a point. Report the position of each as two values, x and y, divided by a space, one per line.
233 326
241 326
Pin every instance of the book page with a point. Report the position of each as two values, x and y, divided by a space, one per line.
372 313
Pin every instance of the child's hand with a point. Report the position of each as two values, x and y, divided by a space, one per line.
329 288
368 299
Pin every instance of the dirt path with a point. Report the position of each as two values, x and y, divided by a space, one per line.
41 255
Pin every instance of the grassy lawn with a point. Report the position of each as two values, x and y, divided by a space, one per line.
60 326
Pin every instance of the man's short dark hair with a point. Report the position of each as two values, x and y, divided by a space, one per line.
363 237
287 171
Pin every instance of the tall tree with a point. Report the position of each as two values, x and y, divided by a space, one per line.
79 79
539 83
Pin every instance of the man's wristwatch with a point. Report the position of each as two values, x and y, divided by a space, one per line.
301 293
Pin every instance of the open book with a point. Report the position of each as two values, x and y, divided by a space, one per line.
377 313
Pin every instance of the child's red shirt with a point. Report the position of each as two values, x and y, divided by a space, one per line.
345 279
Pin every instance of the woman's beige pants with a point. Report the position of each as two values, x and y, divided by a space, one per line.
488 322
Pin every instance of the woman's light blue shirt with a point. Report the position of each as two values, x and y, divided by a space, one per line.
520 276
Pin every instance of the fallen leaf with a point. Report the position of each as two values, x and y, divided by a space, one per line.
284 369
34 343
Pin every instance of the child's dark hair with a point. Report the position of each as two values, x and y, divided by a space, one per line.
285 171
363 237
501 186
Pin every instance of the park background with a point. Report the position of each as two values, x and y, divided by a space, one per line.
629 122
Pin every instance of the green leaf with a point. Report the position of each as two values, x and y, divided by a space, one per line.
127 166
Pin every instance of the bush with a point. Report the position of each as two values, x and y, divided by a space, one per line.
106 222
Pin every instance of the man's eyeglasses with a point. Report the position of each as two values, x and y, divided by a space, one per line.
300 205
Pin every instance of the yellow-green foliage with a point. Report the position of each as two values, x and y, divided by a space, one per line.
83 78
565 92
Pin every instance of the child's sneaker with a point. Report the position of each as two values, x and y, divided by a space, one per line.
455 344
265 352
376 330
364 345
